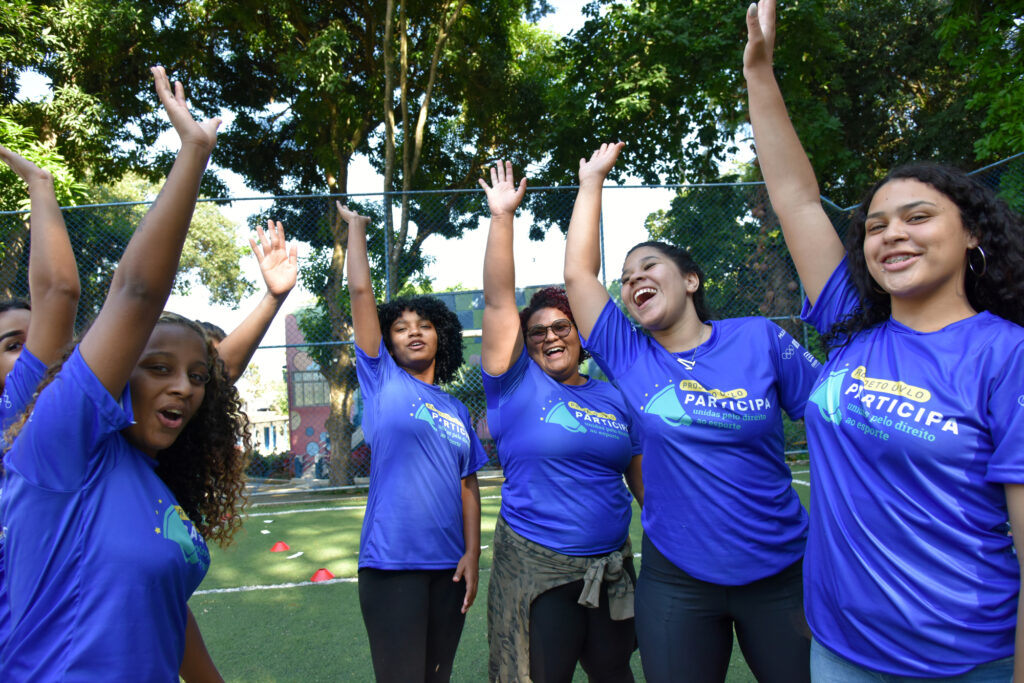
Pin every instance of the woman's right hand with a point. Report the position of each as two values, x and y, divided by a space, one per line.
596 169
503 197
760 35
203 135
351 217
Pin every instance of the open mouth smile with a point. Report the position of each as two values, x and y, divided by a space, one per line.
643 295
171 418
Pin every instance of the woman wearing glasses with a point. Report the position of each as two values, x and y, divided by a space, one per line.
724 531
561 588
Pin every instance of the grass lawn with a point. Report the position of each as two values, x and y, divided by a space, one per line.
314 632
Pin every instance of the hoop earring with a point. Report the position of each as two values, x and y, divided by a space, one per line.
984 262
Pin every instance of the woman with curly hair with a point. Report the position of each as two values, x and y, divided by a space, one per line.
419 554
125 461
724 531
561 588
917 423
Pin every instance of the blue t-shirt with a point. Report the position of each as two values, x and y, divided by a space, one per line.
718 495
101 560
19 387
912 435
564 450
422 445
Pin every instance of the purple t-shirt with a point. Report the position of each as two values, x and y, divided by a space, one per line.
718 495
564 450
909 567
422 445
101 560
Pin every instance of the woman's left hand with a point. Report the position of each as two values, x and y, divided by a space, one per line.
469 569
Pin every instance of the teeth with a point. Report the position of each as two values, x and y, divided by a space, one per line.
898 259
645 290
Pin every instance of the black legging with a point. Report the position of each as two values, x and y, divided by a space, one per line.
563 632
685 625
414 621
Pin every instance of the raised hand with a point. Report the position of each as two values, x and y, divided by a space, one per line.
503 197
350 216
25 169
760 34
278 263
596 169
189 131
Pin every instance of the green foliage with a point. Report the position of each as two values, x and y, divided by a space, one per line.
13 191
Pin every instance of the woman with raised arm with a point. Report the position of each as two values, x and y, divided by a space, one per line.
724 531
419 554
26 351
125 461
916 431
561 588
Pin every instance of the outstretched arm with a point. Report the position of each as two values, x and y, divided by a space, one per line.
587 296
279 266
792 187
360 288
144 276
502 334
52 273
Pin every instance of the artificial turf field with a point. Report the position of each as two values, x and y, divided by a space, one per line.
259 629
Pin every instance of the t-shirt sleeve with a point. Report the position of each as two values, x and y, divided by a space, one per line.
371 370
499 388
797 370
58 448
613 342
1006 421
838 300
20 386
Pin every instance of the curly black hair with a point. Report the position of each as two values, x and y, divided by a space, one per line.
205 466
550 297
685 263
214 332
449 331
1000 234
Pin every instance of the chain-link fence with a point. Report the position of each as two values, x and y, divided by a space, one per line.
434 241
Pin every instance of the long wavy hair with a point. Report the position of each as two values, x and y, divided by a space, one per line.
1000 234
449 331
204 468
686 264
550 297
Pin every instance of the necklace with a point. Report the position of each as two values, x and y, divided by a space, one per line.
691 362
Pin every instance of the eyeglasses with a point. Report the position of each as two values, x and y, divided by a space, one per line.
539 333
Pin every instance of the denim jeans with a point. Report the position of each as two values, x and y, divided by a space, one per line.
828 667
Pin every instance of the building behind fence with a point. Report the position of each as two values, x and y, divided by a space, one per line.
730 230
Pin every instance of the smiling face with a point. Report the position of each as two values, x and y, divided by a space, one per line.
915 243
167 386
413 342
657 295
13 332
558 356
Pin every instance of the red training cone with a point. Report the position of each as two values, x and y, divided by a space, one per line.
322 575
280 547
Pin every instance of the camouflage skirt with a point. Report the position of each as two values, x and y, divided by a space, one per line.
521 571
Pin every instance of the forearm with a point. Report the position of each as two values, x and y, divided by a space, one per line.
238 347
196 665
150 261
365 323
583 240
471 514
499 264
787 171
